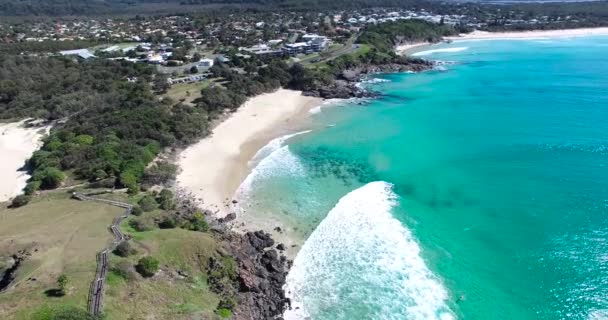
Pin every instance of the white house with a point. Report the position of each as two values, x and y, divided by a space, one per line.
205 63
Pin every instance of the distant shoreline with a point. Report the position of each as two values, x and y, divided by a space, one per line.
414 47
484 35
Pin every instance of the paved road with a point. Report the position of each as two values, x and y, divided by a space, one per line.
97 286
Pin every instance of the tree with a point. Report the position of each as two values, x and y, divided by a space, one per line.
50 178
161 84
147 266
196 57
62 283
194 70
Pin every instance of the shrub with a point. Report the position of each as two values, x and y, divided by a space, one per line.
20 201
165 199
160 173
224 313
147 203
147 266
140 225
72 313
31 187
50 178
124 249
123 270
137 211
167 223
62 282
197 223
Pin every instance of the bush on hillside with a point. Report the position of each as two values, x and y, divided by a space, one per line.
124 249
140 225
165 199
20 201
147 266
147 203
137 211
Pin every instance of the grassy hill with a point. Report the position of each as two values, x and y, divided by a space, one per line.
63 235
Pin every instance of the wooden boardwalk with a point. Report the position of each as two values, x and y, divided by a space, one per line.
95 301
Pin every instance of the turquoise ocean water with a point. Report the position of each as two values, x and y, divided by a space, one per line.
475 192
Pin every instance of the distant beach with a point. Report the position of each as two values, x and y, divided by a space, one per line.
484 35
17 144
213 168
410 48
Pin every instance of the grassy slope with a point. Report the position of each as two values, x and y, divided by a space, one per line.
165 296
67 234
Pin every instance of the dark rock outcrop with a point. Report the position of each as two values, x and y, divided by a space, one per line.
261 276
345 86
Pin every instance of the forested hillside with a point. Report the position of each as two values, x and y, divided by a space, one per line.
385 36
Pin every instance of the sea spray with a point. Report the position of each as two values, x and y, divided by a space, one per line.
361 263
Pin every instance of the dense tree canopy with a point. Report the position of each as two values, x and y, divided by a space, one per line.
104 126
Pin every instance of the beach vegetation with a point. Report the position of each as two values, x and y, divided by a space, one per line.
20 201
148 203
165 199
197 222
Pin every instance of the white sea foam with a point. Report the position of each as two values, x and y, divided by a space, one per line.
429 52
281 159
600 314
273 146
363 263
375 80
315 110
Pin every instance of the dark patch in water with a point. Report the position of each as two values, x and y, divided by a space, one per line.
323 162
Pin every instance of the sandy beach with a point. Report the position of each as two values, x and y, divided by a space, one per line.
212 169
17 144
484 35
408 48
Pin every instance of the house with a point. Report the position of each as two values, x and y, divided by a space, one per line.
83 53
205 63
222 59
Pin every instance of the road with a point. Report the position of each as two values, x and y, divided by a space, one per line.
95 300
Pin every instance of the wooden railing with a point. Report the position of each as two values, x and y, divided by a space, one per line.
95 300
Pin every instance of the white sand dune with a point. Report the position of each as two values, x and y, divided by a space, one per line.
17 144
213 168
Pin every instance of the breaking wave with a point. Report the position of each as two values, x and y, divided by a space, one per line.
429 52
362 263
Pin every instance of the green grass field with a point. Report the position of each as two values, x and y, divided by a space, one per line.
165 296
63 236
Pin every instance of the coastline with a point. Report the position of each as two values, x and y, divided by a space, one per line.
409 48
212 169
17 144
485 35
